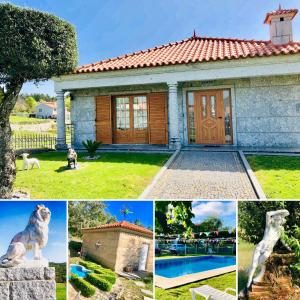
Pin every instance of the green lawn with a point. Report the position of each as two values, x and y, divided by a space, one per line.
219 282
112 176
279 176
27 120
61 291
245 259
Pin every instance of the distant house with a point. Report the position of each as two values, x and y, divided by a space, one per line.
201 90
119 245
46 110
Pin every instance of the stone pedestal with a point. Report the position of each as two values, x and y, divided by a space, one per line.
277 281
27 284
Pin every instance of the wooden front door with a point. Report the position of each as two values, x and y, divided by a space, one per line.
209 117
131 119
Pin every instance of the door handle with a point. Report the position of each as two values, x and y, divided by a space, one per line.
220 117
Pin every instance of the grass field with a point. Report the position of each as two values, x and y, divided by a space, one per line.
112 176
219 282
245 259
27 120
61 291
279 176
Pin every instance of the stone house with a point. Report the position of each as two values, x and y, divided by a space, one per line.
119 245
198 91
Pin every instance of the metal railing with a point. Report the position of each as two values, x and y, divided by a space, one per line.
33 141
196 249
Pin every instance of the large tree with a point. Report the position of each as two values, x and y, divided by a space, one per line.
209 224
34 46
84 214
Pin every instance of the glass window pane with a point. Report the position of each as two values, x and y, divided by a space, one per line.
140 112
213 106
203 106
191 117
122 113
227 116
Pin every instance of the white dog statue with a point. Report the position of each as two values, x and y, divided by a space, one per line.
33 237
27 162
273 232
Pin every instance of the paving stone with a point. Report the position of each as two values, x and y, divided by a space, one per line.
147 292
139 283
204 175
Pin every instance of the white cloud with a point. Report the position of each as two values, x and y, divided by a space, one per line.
213 208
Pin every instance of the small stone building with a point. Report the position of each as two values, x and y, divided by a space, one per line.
119 245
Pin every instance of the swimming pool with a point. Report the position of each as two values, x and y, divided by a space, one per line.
80 271
175 267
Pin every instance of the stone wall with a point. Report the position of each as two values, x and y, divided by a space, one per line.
83 115
118 248
106 252
27 283
268 112
129 250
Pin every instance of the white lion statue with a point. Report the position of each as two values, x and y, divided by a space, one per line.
33 237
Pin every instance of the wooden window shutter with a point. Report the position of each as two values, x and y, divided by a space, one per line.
158 118
103 119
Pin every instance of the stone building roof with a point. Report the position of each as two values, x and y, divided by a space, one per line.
122 224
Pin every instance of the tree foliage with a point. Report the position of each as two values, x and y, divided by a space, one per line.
85 214
30 101
173 217
252 218
35 45
209 224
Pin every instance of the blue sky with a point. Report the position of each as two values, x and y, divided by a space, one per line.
14 217
225 210
142 210
109 28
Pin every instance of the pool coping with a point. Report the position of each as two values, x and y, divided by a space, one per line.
167 283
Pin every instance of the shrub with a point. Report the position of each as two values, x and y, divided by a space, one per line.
75 246
96 268
108 277
86 289
99 282
91 147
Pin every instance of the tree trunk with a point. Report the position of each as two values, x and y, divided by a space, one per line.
7 156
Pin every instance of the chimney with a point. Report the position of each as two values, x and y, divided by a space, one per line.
280 22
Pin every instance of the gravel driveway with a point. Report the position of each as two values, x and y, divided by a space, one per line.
204 175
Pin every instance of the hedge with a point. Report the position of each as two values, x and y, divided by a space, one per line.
108 277
99 282
96 268
86 289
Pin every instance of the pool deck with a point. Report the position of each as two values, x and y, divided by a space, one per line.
168 283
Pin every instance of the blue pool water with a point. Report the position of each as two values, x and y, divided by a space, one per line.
171 268
80 271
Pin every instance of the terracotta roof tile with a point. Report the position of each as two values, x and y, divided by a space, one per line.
192 50
280 11
50 104
122 224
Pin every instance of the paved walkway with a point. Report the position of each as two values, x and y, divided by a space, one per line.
204 175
